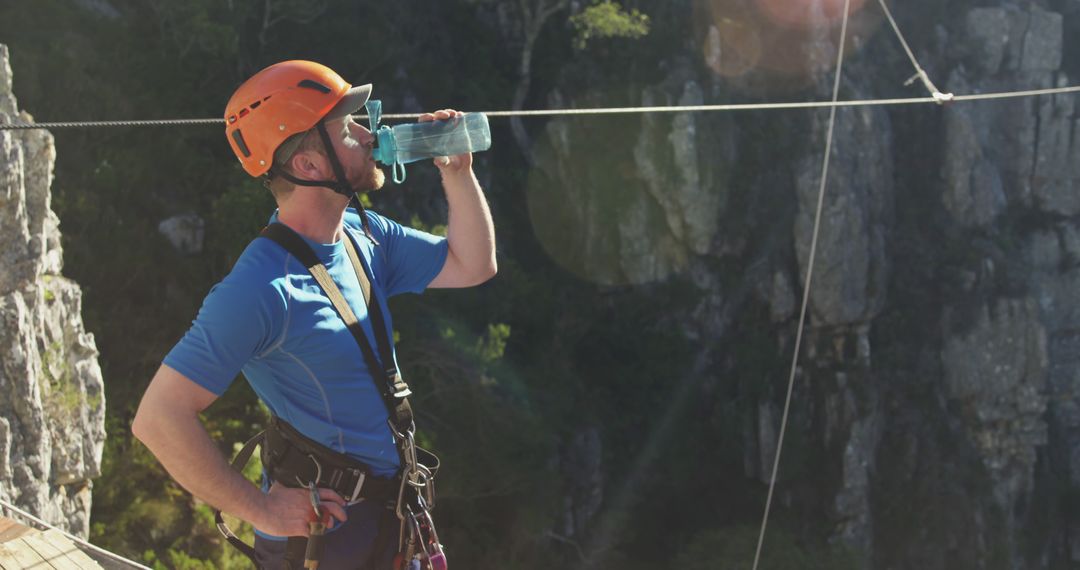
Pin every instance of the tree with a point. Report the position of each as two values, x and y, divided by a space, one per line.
602 19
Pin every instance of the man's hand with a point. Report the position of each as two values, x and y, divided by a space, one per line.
449 164
168 423
287 511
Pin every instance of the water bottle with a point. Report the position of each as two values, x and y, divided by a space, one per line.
409 142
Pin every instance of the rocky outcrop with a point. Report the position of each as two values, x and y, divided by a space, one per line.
1051 258
937 391
662 206
996 372
581 465
52 408
184 232
1014 153
851 270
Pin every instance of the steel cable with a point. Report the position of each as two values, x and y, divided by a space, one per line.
70 536
594 111
806 286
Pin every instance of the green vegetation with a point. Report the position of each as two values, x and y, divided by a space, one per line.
735 547
606 19
505 374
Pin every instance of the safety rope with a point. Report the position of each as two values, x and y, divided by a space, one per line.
806 285
70 536
920 73
601 110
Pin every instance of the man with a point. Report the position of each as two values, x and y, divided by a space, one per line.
271 318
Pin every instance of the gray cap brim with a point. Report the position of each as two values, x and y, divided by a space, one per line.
353 101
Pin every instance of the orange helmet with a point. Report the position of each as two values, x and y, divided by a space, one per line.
283 100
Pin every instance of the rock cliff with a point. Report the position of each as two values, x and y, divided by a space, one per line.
52 406
938 387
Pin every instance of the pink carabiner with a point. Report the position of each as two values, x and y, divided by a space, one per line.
437 561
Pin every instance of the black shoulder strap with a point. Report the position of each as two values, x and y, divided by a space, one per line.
392 386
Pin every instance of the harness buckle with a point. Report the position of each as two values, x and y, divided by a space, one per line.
398 387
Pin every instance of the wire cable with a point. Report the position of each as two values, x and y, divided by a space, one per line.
920 73
70 536
597 111
100 124
806 285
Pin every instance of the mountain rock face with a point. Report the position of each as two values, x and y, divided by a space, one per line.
662 207
52 405
938 387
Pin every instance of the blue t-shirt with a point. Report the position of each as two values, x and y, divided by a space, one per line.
269 319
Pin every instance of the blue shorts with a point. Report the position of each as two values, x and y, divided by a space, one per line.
350 546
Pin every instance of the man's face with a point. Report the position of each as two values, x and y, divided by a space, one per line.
353 144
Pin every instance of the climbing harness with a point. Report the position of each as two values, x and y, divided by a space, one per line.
294 460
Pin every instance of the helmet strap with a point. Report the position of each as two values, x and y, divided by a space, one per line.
341 185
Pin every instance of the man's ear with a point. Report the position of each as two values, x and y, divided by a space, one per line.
308 164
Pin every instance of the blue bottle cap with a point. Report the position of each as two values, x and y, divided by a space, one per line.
385 150
374 113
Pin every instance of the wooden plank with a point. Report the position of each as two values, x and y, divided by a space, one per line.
46 551
53 549
6 558
17 555
70 549
10 530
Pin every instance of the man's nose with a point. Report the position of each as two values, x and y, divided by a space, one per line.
366 137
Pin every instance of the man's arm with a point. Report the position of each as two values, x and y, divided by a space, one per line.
470 233
168 423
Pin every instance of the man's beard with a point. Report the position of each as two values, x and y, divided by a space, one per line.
368 180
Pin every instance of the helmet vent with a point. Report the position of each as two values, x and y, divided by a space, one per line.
255 105
240 144
309 84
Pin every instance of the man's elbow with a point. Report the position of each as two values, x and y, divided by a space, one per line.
485 273
170 400
141 426
491 270
148 423
465 272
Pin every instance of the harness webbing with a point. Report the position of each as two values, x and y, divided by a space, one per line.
387 378
384 372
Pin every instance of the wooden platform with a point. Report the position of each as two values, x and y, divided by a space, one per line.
23 547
